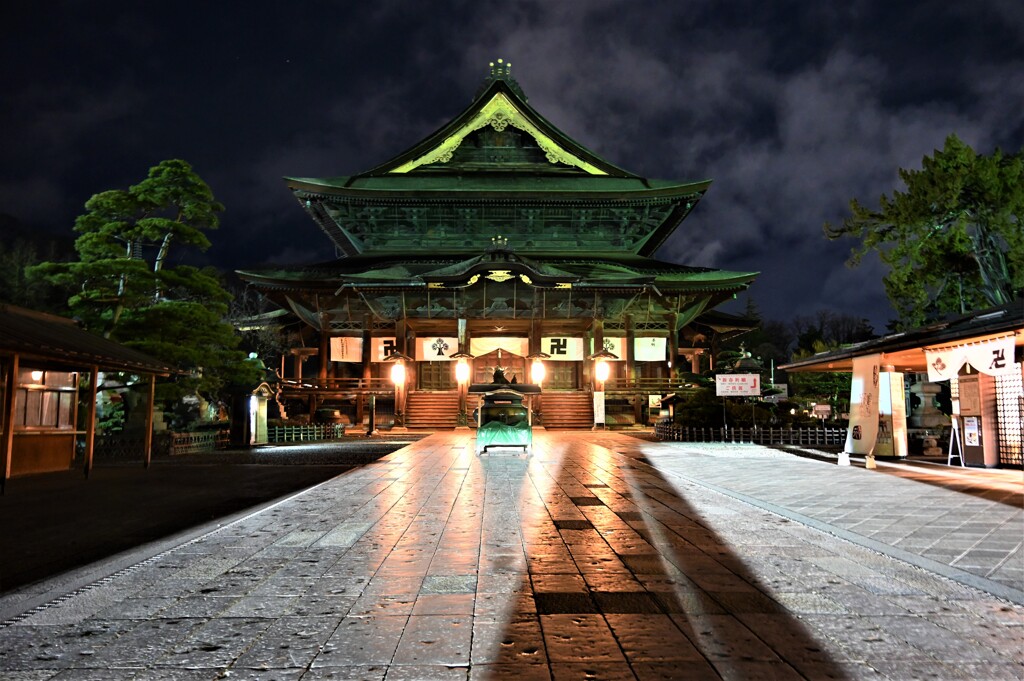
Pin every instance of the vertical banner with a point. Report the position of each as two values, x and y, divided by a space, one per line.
892 415
649 349
863 430
346 349
598 408
436 348
382 347
562 349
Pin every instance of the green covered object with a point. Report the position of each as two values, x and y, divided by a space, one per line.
497 434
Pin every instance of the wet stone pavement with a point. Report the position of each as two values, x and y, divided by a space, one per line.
598 557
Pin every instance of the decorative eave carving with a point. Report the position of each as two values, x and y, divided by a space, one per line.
499 113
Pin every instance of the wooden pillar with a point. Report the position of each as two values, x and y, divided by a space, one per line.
325 347
400 331
586 373
150 406
90 418
598 330
367 360
10 395
465 343
400 343
639 396
673 343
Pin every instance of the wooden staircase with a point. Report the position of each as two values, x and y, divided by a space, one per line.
567 410
429 409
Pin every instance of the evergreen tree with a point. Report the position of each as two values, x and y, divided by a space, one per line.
953 240
126 287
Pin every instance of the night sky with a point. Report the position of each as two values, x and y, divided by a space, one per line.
792 108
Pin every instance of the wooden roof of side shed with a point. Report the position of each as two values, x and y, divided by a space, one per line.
41 337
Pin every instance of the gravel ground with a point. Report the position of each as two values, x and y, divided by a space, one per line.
54 522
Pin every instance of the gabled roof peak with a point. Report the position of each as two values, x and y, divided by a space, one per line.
502 70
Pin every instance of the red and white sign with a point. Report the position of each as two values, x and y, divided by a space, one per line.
731 385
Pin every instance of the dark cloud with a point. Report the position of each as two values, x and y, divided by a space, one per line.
793 108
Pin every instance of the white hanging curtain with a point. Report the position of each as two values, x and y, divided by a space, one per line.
650 349
487 345
381 348
562 348
346 349
613 344
436 348
992 357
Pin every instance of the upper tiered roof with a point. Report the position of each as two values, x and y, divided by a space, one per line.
499 167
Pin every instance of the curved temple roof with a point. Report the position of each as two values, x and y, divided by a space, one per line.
497 167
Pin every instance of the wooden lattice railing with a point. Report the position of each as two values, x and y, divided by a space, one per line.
761 436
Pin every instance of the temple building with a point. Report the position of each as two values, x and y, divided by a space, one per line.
497 242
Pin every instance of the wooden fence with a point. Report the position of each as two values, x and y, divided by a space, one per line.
761 436
130 446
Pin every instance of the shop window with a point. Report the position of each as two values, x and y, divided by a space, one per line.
45 400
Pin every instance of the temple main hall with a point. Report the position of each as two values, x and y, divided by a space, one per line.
497 241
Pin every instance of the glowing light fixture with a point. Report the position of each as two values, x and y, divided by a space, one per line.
462 368
37 376
398 368
601 368
537 369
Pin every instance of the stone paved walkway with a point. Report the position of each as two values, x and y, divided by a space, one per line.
599 557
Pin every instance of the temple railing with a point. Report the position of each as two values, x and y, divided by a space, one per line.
649 386
375 386
762 436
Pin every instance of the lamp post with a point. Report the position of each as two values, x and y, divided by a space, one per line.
537 370
398 377
463 373
601 372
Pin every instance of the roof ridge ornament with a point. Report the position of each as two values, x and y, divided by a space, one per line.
501 70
